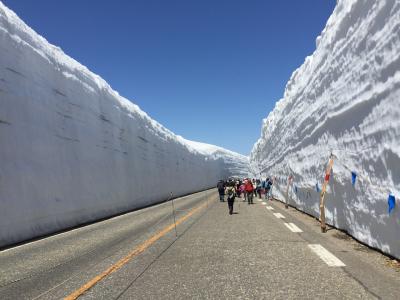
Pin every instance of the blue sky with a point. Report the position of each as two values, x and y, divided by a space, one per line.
209 70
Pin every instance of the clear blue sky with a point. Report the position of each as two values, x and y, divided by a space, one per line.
209 70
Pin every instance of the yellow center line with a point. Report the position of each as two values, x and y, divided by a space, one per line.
139 249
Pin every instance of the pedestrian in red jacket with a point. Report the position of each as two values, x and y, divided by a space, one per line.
249 191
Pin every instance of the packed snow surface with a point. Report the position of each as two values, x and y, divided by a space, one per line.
344 99
73 150
237 164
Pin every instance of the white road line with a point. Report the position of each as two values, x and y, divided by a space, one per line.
264 203
330 259
259 200
269 207
292 227
279 215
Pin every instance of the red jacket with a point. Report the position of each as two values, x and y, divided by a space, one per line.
249 186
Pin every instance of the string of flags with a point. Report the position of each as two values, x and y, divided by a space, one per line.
391 202
354 175
354 178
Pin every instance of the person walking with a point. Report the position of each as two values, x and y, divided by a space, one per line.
243 191
237 187
221 190
258 188
268 184
271 185
254 187
230 191
249 188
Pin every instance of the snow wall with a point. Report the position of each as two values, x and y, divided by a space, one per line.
345 98
72 150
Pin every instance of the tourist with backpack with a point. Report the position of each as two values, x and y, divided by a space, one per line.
231 192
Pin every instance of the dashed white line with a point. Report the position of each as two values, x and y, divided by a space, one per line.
279 215
330 259
264 203
292 227
269 207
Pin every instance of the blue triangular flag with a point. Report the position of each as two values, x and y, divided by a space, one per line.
317 187
391 202
353 178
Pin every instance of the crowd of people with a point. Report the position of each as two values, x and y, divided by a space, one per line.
249 188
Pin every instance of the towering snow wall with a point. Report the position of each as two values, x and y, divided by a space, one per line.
345 98
72 150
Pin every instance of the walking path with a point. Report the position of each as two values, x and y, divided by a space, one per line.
261 252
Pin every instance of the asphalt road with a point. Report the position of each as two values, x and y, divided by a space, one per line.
251 254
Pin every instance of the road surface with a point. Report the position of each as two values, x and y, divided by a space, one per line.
262 251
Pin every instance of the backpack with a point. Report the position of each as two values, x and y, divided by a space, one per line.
269 184
231 193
